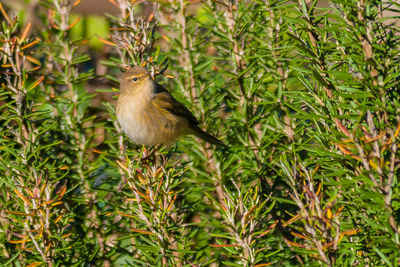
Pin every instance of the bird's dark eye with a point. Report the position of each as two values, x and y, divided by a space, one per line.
135 79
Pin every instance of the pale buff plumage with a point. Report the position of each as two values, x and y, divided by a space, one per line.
150 115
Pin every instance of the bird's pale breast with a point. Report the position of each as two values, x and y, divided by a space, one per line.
145 124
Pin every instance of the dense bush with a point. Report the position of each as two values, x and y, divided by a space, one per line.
306 97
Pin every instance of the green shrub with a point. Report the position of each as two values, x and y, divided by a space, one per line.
306 97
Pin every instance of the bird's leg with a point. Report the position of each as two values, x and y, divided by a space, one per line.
164 159
147 154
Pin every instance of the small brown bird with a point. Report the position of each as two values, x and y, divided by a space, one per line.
150 115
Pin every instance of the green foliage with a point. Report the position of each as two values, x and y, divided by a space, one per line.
306 97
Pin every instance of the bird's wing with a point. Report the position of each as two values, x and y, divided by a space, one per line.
164 100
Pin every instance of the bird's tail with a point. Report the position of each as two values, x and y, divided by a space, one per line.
206 136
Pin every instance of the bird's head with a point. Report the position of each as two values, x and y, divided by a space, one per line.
134 80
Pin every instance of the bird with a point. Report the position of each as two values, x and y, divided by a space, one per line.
150 115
